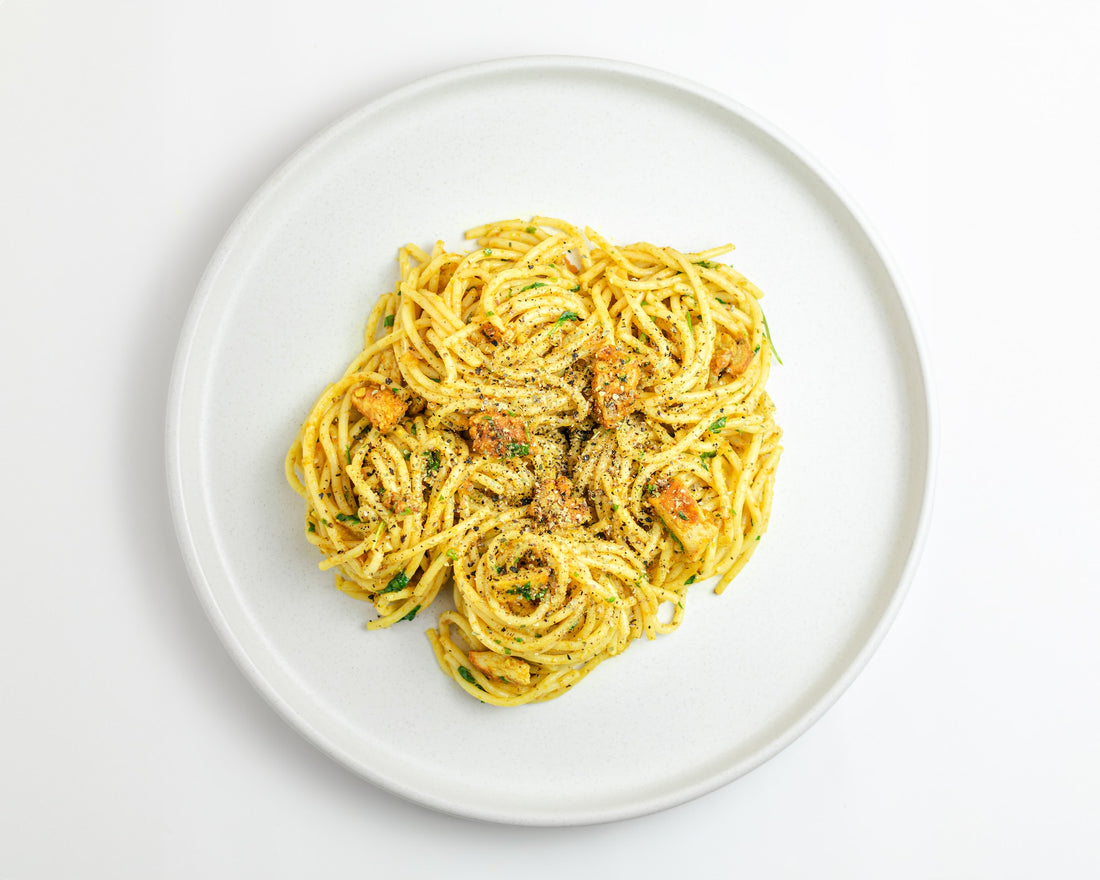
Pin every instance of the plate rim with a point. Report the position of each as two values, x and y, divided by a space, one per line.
174 452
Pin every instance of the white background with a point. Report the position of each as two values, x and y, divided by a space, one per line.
130 135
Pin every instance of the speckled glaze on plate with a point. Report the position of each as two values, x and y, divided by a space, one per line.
281 310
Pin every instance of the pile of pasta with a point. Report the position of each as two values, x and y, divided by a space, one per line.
565 432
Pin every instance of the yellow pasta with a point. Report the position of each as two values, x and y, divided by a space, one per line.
565 432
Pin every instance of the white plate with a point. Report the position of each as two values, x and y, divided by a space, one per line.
636 154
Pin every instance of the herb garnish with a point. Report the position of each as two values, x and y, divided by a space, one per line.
398 582
466 674
388 321
525 591
717 425
566 316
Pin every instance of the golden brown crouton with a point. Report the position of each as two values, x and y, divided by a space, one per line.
554 503
615 378
509 669
382 407
682 516
732 356
494 433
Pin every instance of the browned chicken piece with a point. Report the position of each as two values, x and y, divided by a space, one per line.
615 378
554 503
682 516
493 333
401 504
382 407
494 433
732 356
509 669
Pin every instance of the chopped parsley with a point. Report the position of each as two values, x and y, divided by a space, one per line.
566 316
388 322
451 554
521 449
706 264
524 590
703 458
690 580
349 518
614 506
574 288
311 527
682 515
411 614
431 467
488 252
532 286
469 676
398 582
347 452
717 425
530 230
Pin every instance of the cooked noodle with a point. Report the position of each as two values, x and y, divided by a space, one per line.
567 431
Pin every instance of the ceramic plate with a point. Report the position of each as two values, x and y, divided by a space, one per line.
636 154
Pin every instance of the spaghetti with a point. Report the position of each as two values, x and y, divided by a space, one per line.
568 432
